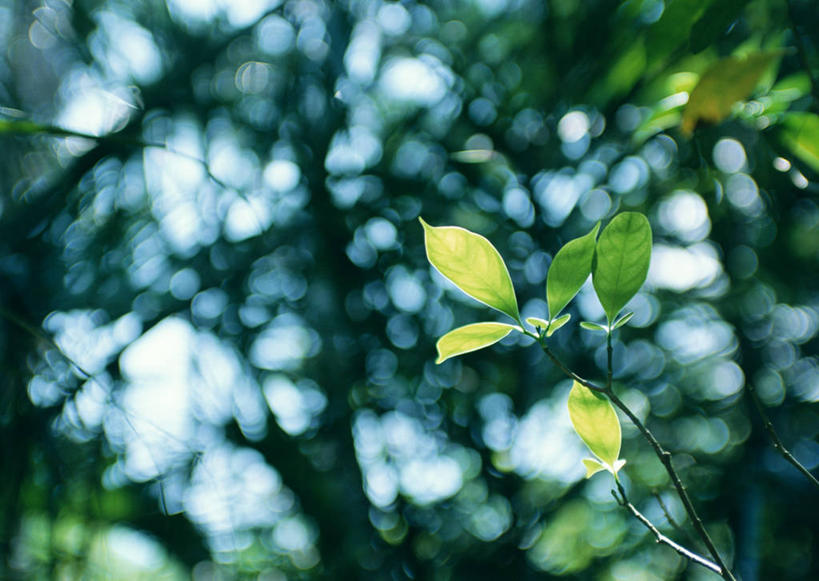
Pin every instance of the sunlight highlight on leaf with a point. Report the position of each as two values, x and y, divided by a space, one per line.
471 262
596 422
471 338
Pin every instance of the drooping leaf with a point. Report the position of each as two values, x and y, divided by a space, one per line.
593 466
569 270
557 323
471 262
800 133
621 261
596 422
725 82
622 320
471 338
589 326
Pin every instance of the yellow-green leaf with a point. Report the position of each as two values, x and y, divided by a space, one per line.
800 133
596 422
538 323
593 466
471 338
471 262
725 82
557 323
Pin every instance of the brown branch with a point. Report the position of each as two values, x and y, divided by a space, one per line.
623 501
777 443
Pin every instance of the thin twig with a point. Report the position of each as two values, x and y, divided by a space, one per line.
777 443
623 501
665 458
671 520
663 455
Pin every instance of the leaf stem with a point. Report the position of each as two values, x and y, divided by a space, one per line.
623 501
777 443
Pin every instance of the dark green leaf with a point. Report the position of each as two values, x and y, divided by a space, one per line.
569 270
471 338
714 22
672 29
471 262
621 261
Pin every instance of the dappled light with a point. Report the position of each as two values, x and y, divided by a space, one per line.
220 314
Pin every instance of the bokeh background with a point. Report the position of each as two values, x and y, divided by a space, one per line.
217 321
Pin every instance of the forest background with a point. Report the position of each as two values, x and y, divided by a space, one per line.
218 321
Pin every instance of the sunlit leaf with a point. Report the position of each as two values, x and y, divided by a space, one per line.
596 422
537 322
589 326
471 338
800 133
725 82
471 262
622 320
557 323
569 270
621 261
593 466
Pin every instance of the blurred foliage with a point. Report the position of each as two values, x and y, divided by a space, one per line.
217 321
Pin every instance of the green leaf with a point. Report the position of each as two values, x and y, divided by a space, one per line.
25 127
725 82
621 261
713 23
800 133
596 422
471 262
569 270
471 338
672 29
622 320
538 323
589 326
593 466
557 323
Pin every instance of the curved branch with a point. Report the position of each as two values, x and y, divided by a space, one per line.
661 538
777 443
